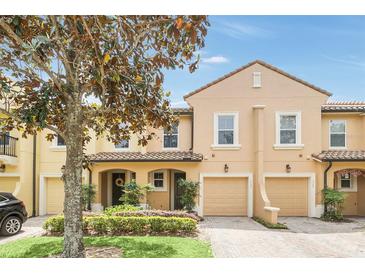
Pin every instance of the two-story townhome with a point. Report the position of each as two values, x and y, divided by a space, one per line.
259 140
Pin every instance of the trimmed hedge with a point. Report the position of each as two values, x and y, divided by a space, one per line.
161 213
120 208
118 225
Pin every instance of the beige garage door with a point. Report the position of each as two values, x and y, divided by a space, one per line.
8 184
225 196
55 196
289 194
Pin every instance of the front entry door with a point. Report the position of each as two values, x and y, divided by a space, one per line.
118 180
177 191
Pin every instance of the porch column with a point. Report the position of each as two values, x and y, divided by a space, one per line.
142 179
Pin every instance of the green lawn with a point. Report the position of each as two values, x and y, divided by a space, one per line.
132 247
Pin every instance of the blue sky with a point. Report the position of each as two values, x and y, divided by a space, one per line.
328 51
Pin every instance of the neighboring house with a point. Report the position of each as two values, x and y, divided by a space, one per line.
260 142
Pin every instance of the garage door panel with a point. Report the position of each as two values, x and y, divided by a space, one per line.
289 194
55 196
225 197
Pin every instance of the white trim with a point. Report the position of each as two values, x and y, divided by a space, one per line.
298 130
43 191
311 187
57 148
247 175
157 189
288 147
9 160
353 184
226 147
178 139
13 174
256 79
235 115
329 134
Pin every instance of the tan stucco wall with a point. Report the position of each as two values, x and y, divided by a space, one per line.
355 129
184 136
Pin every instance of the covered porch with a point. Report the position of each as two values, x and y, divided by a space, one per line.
345 171
110 175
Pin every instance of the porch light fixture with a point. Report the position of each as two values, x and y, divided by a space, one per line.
288 168
2 168
226 168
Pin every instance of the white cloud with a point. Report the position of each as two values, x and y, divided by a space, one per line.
215 60
350 61
240 31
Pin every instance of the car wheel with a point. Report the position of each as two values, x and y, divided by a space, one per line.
11 226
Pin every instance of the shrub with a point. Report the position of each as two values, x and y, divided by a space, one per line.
334 200
120 208
133 193
88 194
161 213
117 225
269 225
189 192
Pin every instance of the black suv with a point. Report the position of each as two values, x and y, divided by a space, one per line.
12 214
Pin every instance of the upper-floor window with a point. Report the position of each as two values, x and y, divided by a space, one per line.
60 142
256 83
123 144
226 129
288 127
337 134
171 138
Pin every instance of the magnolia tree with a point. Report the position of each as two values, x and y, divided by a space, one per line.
52 67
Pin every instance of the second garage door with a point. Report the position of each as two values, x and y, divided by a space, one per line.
55 196
225 196
288 194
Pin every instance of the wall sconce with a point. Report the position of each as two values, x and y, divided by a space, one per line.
2 168
226 168
63 169
288 168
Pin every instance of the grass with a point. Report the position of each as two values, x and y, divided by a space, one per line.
132 247
270 225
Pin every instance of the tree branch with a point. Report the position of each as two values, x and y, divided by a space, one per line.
15 117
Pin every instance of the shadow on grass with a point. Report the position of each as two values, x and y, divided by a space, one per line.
41 250
135 248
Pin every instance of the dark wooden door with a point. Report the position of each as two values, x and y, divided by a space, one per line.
117 190
177 191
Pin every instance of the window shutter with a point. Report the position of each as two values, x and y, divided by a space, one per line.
256 79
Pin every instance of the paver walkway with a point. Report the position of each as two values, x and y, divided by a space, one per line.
233 237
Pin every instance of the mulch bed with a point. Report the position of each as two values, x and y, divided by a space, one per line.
98 252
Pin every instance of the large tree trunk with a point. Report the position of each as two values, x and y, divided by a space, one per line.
73 242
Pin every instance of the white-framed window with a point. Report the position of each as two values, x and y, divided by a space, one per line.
288 130
347 183
60 142
256 79
171 138
337 130
158 180
226 130
123 144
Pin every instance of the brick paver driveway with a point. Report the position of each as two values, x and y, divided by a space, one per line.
32 227
232 237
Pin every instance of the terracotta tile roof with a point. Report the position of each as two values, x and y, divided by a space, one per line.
340 155
182 110
165 156
265 65
344 107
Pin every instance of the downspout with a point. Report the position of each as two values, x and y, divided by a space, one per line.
90 183
192 132
34 173
325 185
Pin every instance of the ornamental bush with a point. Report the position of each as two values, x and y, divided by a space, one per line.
118 225
334 200
120 208
189 192
161 213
